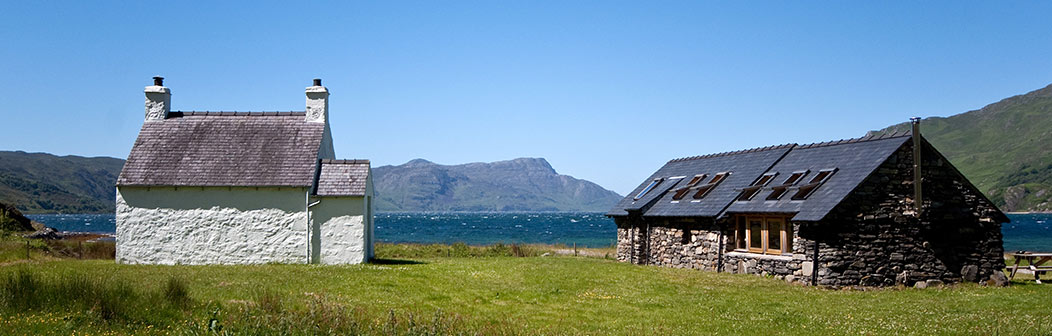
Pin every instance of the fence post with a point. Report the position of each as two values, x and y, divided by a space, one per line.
575 249
80 246
27 248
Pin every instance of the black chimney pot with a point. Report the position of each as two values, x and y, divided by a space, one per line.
317 82
158 81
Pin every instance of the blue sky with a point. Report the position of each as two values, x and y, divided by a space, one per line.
606 91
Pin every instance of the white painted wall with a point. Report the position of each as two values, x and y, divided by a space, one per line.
341 232
211 225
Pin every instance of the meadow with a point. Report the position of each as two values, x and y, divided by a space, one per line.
499 289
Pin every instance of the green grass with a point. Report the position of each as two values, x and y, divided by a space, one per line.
488 295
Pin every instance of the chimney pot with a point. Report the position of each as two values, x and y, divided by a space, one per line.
915 120
317 82
158 81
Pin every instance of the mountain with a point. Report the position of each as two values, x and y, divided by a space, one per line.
1004 148
525 184
45 183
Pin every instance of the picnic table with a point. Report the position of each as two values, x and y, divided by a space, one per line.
1035 260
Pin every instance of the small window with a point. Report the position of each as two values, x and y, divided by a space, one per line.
648 188
780 190
749 192
705 189
809 188
682 192
763 234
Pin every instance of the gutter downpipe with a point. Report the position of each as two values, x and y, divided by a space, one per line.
917 178
309 227
814 265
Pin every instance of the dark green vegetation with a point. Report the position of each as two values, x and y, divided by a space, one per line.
44 183
525 184
487 291
1005 148
12 220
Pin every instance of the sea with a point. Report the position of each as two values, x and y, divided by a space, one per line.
1030 232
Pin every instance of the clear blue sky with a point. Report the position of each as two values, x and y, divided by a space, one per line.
606 91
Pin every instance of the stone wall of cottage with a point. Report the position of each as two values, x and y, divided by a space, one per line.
871 239
874 239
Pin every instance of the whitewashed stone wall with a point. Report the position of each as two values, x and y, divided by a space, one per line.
211 225
340 231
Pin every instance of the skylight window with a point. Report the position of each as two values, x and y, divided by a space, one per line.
809 188
705 189
780 190
749 192
648 188
682 192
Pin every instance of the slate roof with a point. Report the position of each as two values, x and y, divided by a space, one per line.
854 162
342 178
854 159
225 149
744 167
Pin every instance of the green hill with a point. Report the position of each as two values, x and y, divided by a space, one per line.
1004 148
45 183
525 184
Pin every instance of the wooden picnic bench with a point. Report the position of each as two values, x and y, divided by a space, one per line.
1035 260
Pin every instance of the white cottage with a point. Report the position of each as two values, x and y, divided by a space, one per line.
241 188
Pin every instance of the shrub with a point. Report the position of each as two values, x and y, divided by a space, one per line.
176 292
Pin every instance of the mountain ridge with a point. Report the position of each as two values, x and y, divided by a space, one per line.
1004 148
47 183
522 184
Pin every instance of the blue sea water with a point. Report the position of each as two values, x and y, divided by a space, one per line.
1032 232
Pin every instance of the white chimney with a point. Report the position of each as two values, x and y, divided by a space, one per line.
317 102
158 100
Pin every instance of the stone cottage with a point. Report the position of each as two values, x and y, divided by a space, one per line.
840 213
240 188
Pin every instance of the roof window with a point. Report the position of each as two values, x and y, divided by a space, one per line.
648 188
682 192
706 188
749 192
780 190
809 188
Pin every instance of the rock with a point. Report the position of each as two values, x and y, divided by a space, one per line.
934 283
46 233
13 220
920 285
903 277
997 279
790 278
546 254
970 273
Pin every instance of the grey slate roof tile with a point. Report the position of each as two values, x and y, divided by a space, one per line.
855 160
744 167
342 178
225 149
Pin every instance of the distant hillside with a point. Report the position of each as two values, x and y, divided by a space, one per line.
526 184
1004 148
45 183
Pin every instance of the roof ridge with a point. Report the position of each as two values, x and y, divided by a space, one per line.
743 151
235 113
347 161
866 138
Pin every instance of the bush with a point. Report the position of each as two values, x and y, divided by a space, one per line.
176 292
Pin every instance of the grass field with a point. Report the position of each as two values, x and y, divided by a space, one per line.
439 289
